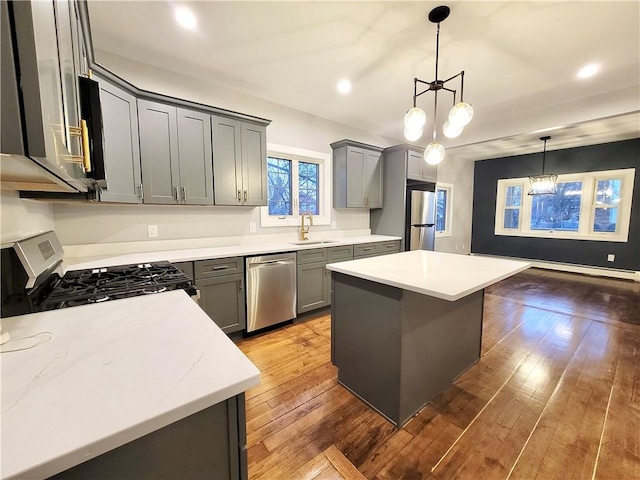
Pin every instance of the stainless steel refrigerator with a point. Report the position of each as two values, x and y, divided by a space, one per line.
421 220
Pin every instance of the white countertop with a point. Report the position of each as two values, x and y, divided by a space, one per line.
442 275
186 255
109 374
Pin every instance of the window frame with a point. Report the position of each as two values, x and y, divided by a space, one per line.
296 155
587 207
448 187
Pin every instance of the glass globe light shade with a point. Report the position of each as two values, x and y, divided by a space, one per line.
461 114
434 153
412 134
415 118
451 130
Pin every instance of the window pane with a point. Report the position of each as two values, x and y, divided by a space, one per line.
514 196
279 186
608 192
511 218
308 187
441 210
560 211
605 219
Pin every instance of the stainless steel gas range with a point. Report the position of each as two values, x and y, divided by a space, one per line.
32 280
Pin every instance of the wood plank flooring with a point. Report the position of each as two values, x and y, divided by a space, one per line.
556 394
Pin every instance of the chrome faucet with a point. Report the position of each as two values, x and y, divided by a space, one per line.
303 230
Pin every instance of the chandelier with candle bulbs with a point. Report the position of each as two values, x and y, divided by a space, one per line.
459 115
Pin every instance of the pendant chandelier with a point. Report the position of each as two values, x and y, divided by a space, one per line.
459 116
544 184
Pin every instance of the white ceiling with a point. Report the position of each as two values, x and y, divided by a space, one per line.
520 60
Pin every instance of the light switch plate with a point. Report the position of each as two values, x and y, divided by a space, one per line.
333 225
152 231
252 227
611 257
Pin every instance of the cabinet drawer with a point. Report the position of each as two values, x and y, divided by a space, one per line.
339 254
392 246
311 256
218 267
364 250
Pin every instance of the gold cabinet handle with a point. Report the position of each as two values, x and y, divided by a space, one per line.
175 194
85 159
85 146
239 196
245 195
184 194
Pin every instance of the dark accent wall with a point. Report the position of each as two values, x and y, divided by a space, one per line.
608 156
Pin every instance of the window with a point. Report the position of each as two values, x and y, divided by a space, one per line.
557 212
512 206
587 206
296 183
444 200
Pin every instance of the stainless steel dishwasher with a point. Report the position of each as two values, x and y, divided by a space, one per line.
271 289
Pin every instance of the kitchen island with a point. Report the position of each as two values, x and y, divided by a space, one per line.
404 326
145 387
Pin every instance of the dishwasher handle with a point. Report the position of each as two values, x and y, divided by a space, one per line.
269 263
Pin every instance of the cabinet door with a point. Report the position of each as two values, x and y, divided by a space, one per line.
313 287
254 164
70 98
430 172
227 161
121 145
159 152
222 298
356 158
372 180
415 165
195 157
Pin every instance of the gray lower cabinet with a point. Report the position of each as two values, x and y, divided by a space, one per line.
121 143
208 444
239 162
222 296
357 175
176 154
364 250
314 280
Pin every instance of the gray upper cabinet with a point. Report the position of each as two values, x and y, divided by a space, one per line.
239 162
175 152
418 169
159 152
195 157
254 164
121 145
357 175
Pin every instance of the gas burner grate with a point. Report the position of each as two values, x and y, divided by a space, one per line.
82 287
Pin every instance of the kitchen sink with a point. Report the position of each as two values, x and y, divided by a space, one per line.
311 242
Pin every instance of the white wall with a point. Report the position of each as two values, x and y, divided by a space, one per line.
459 173
22 218
81 224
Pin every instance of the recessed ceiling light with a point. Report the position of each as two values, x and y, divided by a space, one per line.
588 70
185 18
344 86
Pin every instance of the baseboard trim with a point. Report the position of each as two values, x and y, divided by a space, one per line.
568 267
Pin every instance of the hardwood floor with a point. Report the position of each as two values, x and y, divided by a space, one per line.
556 394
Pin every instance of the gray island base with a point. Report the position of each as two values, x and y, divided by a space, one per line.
397 349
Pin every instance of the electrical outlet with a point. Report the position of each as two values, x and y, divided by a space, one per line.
611 257
333 225
252 227
152 230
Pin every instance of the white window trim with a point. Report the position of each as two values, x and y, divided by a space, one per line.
324 162
587 207
448 213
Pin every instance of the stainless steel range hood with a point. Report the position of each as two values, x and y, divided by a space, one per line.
37 141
